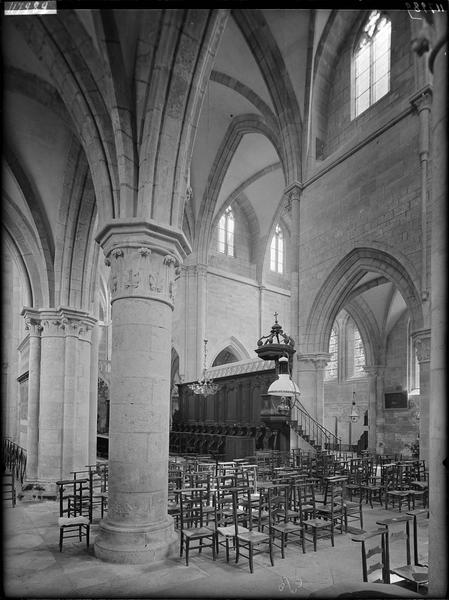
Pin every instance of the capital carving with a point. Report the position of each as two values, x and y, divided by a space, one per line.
61 321
33 326
53 326
422 100
318 359
142 272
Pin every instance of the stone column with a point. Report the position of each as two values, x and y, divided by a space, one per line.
77 398
433 37
311 383
194 278
320 361
375 405
51 396
293 194
63 392
422 103
143 259
93 394
421 340
33 326
262 288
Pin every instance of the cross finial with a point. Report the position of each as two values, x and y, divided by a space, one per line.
276 317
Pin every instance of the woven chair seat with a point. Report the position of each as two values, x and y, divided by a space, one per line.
197 532
253 536
229 530
64 521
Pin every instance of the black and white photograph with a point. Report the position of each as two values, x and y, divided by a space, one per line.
224 300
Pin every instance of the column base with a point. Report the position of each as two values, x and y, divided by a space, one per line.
136 544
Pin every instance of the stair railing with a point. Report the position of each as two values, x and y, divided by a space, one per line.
13 459
312 431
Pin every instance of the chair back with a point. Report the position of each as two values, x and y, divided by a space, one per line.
192 502
74 497
374 556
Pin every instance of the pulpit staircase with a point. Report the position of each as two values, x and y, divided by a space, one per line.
313 432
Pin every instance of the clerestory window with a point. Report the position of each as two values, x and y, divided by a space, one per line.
277 251
371 63
226 233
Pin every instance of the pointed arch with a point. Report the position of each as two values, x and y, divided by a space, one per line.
335 292
241 125
233 345
263 45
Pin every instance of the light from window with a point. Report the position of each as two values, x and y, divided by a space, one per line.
359 355
372 62
226 233
277 251
332 366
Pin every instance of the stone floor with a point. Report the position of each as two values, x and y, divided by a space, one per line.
33 567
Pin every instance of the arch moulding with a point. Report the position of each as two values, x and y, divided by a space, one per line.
335 292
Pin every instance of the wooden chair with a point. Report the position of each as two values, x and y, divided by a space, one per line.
72 522
417 514
333 510
398 529
373 545
251 540
326 517
192 526
225 517
396 487
98 489
284 521
352 511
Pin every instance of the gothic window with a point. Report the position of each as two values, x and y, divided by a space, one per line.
371 63
226 233
412 365
347 351
358 354
331 371
277 251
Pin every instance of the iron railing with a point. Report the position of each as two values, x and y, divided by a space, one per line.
14 459
313 432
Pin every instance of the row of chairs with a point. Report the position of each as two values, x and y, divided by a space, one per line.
226 510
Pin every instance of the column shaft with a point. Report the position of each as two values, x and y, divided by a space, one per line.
137 528
33 399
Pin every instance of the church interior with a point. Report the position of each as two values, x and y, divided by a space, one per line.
224 264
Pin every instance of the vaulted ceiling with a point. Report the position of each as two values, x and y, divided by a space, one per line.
259 87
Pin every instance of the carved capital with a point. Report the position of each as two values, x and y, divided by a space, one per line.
61 321
318 359
292 194
142 271
53 326
33 326
422 100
